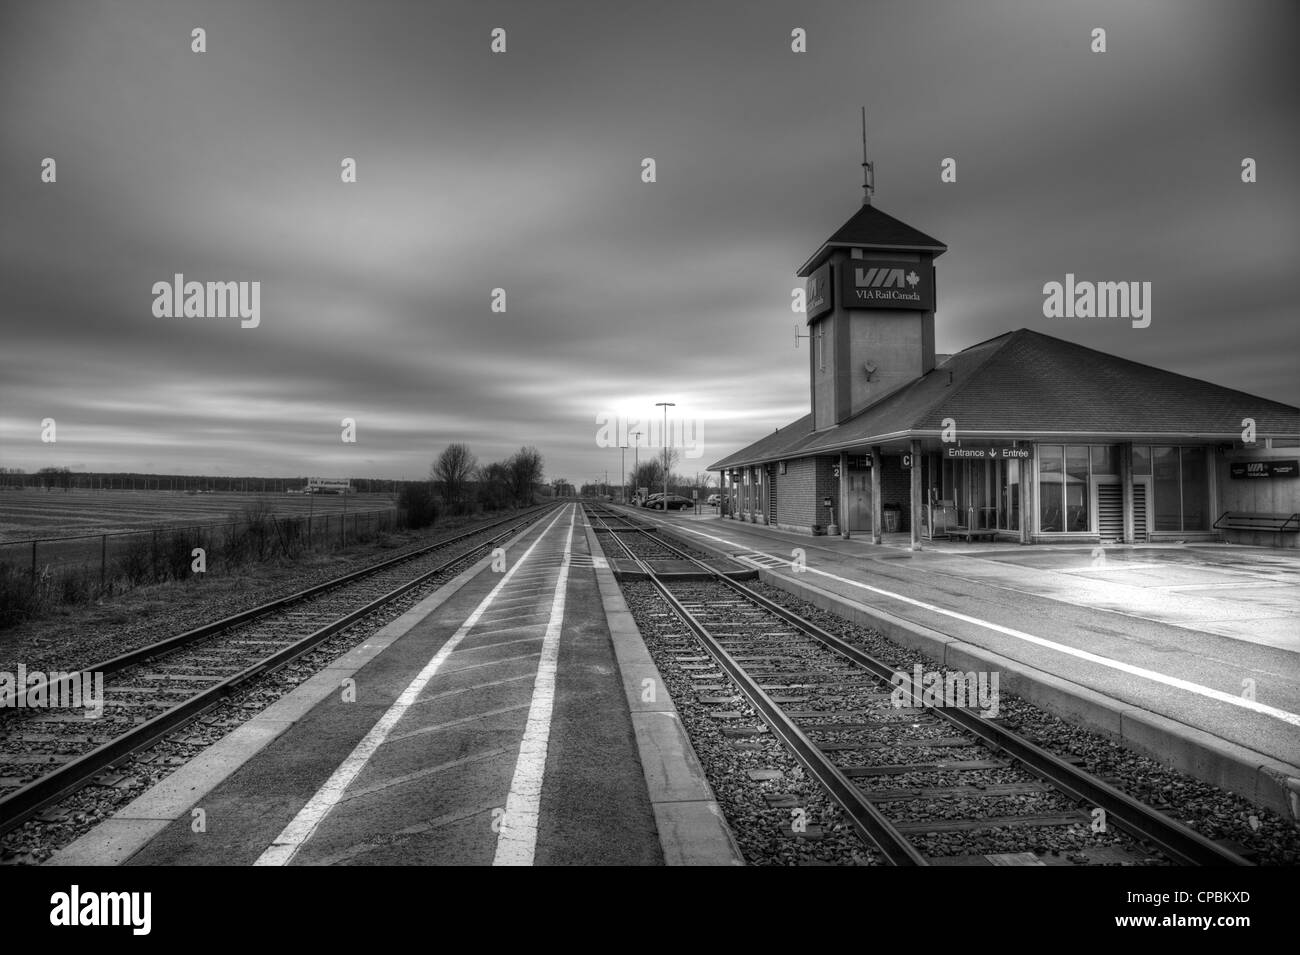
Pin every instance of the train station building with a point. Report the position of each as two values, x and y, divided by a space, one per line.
1024 437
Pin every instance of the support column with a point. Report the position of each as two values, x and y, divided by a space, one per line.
1126 485
916 494
1028 496
877 510
844 495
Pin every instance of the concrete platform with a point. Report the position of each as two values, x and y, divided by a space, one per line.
1188 653
498 722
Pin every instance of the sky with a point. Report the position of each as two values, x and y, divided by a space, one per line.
523 171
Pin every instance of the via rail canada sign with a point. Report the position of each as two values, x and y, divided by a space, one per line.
876 283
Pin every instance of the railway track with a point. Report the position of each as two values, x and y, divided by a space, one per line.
47 754
887 766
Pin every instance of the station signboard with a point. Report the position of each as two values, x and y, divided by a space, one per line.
1000 452
1264 469
818 296
886 283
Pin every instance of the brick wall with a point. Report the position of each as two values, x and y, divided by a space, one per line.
800 490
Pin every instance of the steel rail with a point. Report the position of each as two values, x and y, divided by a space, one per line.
874 827
1180 843
171 644
21 804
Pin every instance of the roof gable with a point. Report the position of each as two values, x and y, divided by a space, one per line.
869 228
1025 382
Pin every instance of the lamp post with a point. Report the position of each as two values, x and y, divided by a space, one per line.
636 453
622 464
665 405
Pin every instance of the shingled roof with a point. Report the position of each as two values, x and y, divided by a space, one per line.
869 228
1025 384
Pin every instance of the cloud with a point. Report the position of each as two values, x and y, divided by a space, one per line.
522 172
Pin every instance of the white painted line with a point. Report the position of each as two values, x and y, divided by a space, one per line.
499 643
477 686
424 773
517 840
461 721
301 827
1156 677
491 663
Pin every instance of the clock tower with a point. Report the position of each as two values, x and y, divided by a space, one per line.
870 302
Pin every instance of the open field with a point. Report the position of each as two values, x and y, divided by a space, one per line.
33 513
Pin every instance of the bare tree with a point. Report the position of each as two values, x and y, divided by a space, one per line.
452 470
494 485
526 469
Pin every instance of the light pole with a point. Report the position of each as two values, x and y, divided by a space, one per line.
636 454
622 465
665 405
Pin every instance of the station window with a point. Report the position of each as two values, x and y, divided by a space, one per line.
1076 487
1180 488
1063 487
1051 467
1284 442
1141 459
1008 479
1105 459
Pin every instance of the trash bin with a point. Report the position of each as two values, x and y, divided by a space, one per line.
891 515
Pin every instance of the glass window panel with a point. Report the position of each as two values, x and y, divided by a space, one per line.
1076 488
978 502
1051 460
1141 459
1196 489
1105 459
1165 494
1009 491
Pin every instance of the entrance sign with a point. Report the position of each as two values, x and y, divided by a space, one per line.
886 283
998 453
1264 469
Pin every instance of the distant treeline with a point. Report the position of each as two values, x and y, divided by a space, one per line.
66 478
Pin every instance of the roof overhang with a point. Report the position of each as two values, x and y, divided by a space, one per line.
822 254
864 444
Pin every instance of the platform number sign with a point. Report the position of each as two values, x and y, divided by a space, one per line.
907 462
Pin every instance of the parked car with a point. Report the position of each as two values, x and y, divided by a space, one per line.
675 503
650 501
714 499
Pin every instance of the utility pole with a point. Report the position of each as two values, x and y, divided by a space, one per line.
622 463
665 405
636 454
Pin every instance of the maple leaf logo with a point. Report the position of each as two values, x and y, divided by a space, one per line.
912 279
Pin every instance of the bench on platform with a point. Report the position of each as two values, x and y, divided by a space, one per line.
1241 521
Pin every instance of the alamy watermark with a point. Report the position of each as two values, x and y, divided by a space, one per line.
37 690
1073 299
182 299
923 687
75 907
616 431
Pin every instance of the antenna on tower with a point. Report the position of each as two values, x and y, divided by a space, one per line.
868 169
